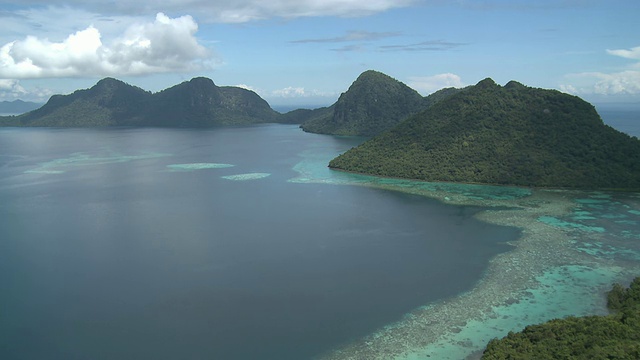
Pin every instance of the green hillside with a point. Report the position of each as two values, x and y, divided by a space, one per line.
110 102
616 336
195 103
200 103
299 116
511 135
374 102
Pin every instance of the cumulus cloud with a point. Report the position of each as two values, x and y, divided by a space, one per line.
237 11
429 84
626 82
12 90
11 87
620 83
165 45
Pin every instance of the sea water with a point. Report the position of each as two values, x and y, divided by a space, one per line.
165 244
241 243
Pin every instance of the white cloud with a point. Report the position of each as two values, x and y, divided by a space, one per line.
298 92
12 89
291 92
633 53
247 87
626 82
165 45
11 86
429 84
620 83
237 11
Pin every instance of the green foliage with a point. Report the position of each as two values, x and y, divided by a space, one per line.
300 116
196 103
374 103
512 135
616 336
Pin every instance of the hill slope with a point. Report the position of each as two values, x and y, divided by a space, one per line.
374 102
199 102
511 135
111 102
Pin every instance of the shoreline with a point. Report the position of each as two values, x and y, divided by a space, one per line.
519 279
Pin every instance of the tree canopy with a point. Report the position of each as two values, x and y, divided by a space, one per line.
615 336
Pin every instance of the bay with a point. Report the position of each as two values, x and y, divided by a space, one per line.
165 243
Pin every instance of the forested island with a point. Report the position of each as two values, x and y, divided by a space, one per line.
504 135
111 102
17 106
615 336
375 102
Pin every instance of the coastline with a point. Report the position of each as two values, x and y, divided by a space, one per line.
551 271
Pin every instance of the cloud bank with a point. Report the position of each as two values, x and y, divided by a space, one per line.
165 45
237 11
626 82
429 84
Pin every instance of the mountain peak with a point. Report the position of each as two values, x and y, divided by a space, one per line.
109 82
487 83
111 102
514 85
201 80
373 103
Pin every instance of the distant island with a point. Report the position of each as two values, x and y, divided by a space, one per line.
616 336
17 106
511 135
111 102
375 102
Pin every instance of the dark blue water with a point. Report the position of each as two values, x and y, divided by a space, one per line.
106 253
623 117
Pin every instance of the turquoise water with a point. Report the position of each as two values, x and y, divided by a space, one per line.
576 245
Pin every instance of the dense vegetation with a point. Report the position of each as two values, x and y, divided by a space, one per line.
374 102
300 116
111 102
511 135
616 336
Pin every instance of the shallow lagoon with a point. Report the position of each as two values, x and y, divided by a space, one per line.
188 243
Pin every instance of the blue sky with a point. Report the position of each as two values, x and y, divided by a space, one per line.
306 52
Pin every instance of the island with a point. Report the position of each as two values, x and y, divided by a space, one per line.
375 102
615 336
503 135
111 102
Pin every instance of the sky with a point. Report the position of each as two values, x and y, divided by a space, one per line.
307 52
